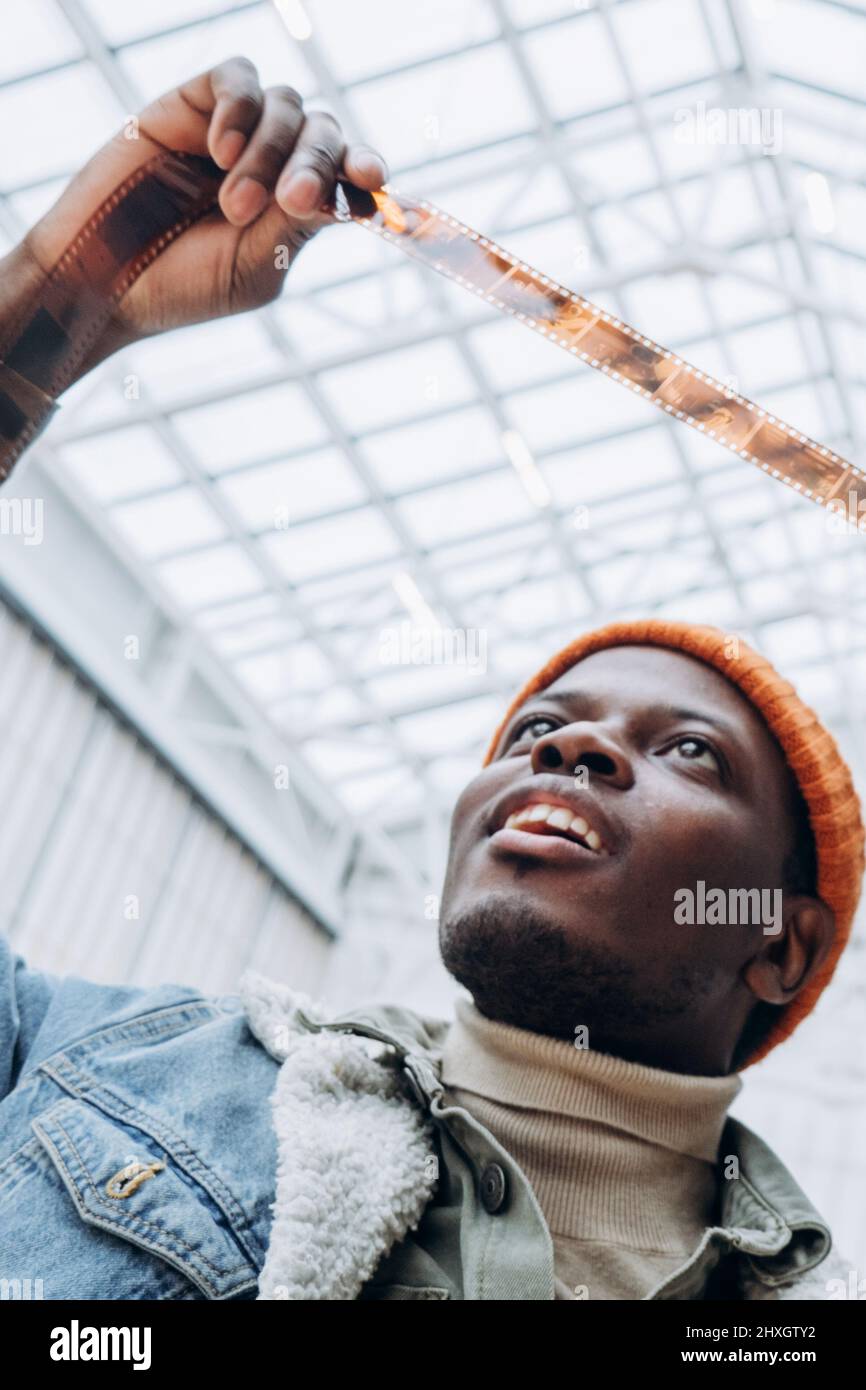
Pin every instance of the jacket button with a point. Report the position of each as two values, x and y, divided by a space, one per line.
493 1188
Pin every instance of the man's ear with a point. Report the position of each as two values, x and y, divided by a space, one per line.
787 962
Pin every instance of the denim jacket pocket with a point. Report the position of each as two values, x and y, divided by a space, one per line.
123 1181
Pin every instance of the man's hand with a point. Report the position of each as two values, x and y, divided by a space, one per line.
283 166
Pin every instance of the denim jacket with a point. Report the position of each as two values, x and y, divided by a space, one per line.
157 1143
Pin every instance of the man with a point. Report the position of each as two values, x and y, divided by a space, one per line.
566 1134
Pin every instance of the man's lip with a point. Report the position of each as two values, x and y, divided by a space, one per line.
555 849
579 802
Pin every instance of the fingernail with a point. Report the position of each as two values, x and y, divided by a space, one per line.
247 199
228 147
303 190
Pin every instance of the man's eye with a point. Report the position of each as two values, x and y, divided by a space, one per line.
534 727
698 750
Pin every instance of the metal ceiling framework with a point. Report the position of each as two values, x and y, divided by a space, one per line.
672 525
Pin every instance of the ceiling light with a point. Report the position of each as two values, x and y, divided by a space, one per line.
526 468
820 201
295 18
413 601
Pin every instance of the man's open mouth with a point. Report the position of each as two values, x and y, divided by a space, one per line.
548 818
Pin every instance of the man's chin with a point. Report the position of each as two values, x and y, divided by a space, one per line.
525 967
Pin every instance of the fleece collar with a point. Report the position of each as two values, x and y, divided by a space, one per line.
356 1163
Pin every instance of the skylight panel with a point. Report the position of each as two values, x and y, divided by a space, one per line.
736 210
254 425
627 238
561 248
767 355
354 46
175 520
444 107
318 548
395 386
576 408
512 359
485 577
818 44
343 320
203 359
32 203
120 464
613 465
238 614
210 576
799 405
738 301
346 758
526 14
380 791
538 601
479 504
453 443
334 705
669 308
280 494
121 23
293 667
43 38
664 42
160 63
436 733
496 202
612 168
55 146
247 638
336 255
399 687
576 66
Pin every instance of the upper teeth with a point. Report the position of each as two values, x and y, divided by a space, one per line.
560 818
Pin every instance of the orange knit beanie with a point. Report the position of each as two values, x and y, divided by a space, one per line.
810 750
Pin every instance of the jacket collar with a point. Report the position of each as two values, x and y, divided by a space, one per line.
763 1212
766 1213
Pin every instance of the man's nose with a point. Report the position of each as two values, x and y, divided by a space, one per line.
583 745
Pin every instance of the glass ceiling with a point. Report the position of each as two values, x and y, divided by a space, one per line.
378 455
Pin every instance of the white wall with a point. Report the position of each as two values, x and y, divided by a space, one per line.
109 867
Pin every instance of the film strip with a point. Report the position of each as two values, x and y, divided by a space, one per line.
171 190
604 342
53 333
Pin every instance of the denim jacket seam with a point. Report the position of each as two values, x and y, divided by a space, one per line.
160 1237
142 1026
31 1149
174 1144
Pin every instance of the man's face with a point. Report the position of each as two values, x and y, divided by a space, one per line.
684 783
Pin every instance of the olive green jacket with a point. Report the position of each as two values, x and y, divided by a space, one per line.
387 1190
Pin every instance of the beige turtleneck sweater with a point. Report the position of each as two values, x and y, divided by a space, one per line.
621 1157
